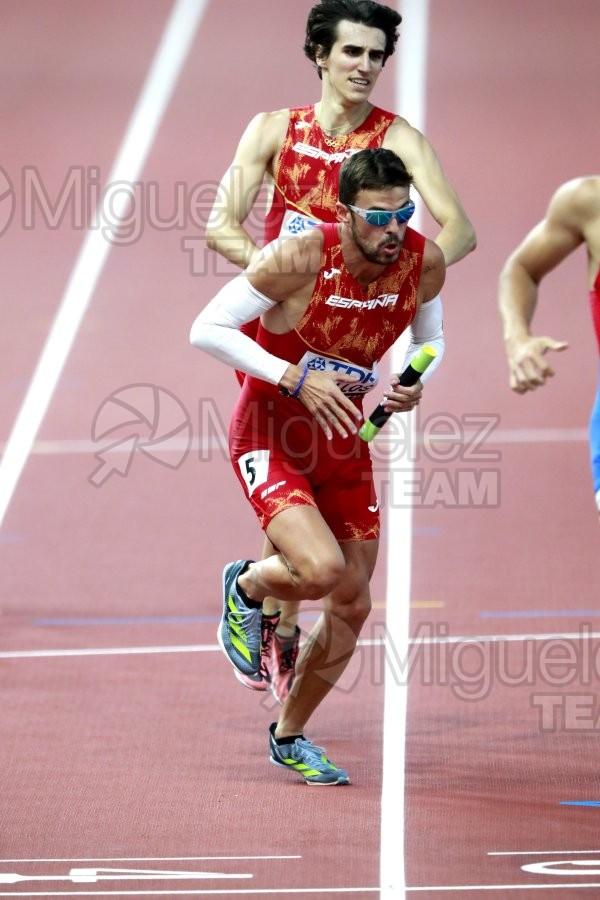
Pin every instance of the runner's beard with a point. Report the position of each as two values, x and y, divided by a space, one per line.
376 254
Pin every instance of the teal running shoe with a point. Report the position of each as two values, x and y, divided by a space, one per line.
304 757
239 632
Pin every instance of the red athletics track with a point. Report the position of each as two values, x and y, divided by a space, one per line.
156 761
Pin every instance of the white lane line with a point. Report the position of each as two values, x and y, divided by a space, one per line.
176 445
139 137
540 852
365 642
107 651
261 892
138 859
502 887
326 891
82 446
410 101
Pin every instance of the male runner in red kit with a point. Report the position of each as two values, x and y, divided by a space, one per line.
331 302
298 153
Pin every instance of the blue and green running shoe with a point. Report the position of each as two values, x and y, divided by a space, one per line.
239 632
304 757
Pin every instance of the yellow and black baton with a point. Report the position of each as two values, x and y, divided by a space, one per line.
410 376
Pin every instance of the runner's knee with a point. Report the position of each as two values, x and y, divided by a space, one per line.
319 573
355 613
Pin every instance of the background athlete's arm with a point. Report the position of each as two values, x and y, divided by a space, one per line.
239 187
546 245
457 235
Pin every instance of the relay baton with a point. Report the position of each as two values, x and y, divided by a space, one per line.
410 376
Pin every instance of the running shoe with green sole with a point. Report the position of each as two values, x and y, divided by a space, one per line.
240 627
308 760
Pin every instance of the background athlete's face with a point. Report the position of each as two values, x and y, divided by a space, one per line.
379 244
353 66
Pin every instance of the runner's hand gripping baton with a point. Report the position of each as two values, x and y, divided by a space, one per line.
410 376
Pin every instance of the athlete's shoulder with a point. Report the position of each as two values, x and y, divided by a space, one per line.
262 137
272 121
408 143
582 192
576 202
299 255
433 254
400 129
433 271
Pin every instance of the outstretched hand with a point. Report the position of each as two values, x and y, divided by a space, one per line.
527 363
331 408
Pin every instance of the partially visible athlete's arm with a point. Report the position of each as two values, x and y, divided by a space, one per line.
457 235
240 185
543 249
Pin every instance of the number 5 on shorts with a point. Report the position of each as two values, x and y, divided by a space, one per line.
254 467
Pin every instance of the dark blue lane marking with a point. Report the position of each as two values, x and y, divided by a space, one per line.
127 620
580 802
538 613
137 620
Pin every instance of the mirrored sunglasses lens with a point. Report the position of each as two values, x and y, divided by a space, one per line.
404 214
379 217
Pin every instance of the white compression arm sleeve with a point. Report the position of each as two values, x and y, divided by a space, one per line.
427 328
216 330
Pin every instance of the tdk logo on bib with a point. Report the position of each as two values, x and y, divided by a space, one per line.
297 224
366 378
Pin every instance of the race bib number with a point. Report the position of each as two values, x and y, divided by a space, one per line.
254 467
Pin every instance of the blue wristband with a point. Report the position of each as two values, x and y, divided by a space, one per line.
300 383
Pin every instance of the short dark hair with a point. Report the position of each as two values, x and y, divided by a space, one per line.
321 26
375 168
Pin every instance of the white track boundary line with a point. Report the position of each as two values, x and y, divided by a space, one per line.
540 852
410 100
327 891
74 446
139 137
141 859
366 642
